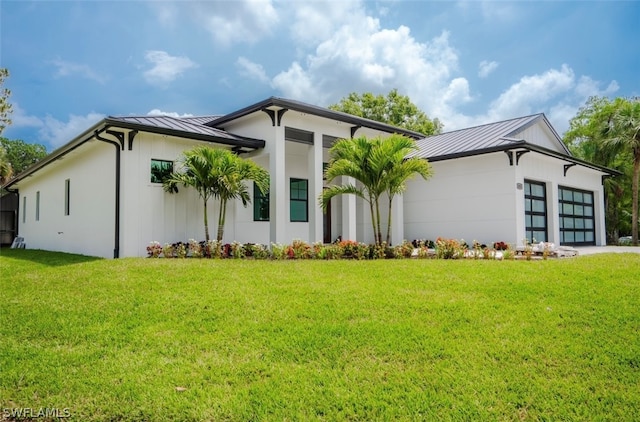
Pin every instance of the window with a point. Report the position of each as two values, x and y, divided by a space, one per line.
577 223
260 204
160 170
535 211
298 135
298 206
67 187
24 209
38 206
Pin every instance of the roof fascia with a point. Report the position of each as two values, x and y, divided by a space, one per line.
316 111
237 142
523 145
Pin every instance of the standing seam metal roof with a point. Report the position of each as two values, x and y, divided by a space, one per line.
492 135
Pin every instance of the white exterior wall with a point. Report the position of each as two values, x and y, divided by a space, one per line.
89 227
469 198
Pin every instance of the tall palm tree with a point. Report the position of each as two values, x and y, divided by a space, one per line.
379 166
625 132
217 173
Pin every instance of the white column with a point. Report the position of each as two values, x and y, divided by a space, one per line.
348 213
314 166
397 220
553 213
278 210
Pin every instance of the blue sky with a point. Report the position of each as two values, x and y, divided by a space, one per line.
466 63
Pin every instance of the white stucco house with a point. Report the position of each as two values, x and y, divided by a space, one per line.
101 193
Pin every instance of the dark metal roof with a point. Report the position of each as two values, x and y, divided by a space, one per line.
201 119
492 135
316 111
181 127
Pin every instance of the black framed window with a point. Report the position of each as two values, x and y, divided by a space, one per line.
577 217
299 200
535 211
160 170
38 206
24 209
260 204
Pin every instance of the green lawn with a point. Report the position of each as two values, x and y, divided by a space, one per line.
178 340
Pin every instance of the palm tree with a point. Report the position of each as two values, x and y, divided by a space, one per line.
625 132
379 165
218 173
400 169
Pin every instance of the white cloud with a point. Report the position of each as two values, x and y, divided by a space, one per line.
316 21
20 118
532 92
166 68
57 133
66 68
158 112
240 21
486 68
252 70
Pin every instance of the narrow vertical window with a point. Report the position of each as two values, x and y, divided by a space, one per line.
298 205
260 204
24 209
38 206
67 184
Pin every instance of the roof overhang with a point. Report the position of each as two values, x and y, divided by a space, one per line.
522 145
275 103
239 144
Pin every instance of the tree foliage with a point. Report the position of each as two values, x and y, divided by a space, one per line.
217 173
21 154
607 132
5 106
379 166
394 109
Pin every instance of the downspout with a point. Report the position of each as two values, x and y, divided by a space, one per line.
116 248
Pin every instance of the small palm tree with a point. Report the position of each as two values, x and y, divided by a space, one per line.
217 173
380 166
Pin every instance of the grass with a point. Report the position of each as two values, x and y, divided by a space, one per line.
182 340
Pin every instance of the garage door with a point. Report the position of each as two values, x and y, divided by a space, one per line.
577 223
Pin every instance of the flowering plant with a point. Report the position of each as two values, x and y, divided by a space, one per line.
154 249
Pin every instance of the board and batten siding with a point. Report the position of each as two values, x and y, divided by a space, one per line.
89 227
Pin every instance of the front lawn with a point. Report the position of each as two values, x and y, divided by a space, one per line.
167 339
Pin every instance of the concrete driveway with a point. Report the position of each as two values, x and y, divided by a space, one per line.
588 250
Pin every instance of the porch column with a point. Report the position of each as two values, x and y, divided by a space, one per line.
278 211
348 213
553 216
397 220
314 165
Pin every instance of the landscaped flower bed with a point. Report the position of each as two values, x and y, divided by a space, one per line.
441 248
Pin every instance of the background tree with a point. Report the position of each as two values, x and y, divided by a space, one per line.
603 133
5 168
394 109
5 106
21 154
5 110
379 166
217 173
